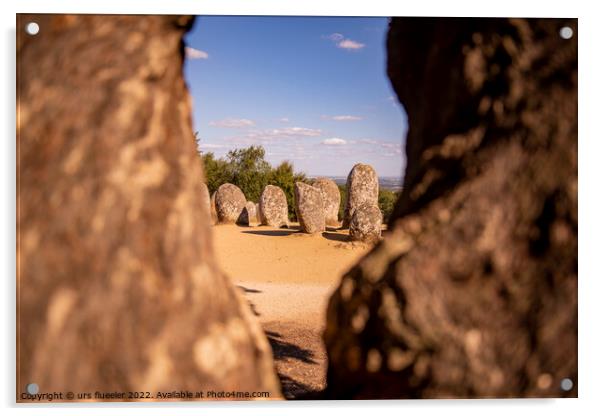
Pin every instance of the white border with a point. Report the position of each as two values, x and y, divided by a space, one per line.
590 207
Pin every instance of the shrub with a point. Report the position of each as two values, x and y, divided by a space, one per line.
386 202
285 177
248 169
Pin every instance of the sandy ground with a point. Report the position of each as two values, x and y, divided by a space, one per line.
287 277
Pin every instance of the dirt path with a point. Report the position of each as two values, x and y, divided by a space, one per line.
288 277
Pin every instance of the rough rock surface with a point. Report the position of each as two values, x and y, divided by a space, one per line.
366 224
310 208
362 187
205 196
332 200
229 203
118 289
273 207
473 291
249 214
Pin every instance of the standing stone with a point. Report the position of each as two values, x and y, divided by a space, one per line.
273 207
362 187
213 209
118 288
206 198
251 208
249 214
332 200
229 203
366 224
258 212
310 208
473 290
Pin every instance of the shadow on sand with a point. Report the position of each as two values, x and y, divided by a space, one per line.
254 309
247 290
282 352
295 390
283 349
335 236
251 304
291 388
272 233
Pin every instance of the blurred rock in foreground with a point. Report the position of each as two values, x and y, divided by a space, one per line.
118 288
473 292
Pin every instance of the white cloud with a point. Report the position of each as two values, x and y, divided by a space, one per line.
287 132
300 131
284 135
212 146
335 37
368 141
284 120
192 53
393 100
334 141
232 123
342 118
350 44
344 43
346 118
392 148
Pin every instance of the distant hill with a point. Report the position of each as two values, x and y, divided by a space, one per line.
392 183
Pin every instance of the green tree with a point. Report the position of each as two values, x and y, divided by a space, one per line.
249 170
386 202
285 177
217 171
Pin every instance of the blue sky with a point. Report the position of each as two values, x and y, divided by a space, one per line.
311 90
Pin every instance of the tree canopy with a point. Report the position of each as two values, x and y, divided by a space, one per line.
248 169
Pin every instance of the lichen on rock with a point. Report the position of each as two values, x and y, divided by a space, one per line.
362 188
273 207
331 196
366 224
310 208
229 203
